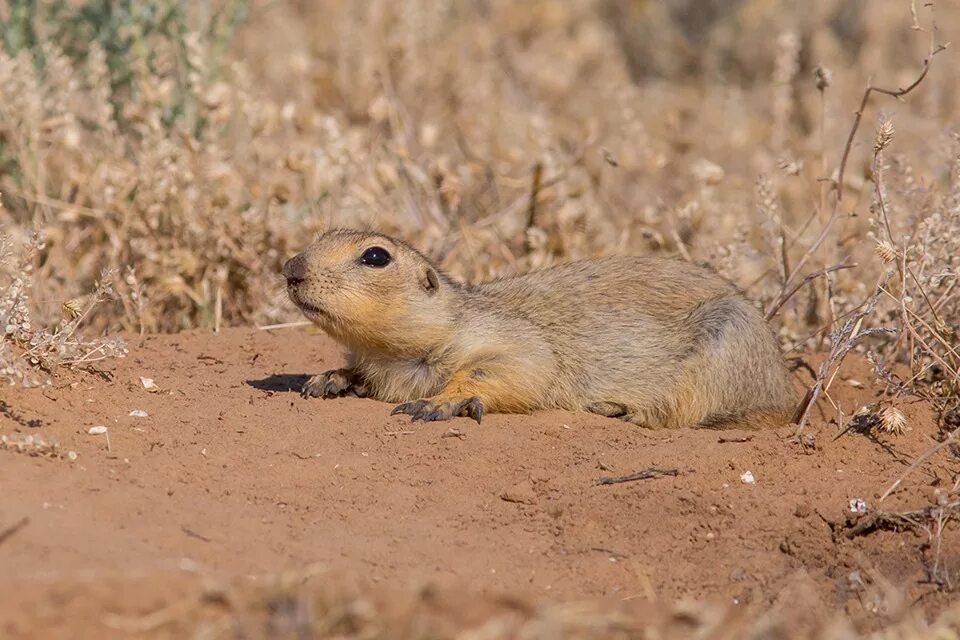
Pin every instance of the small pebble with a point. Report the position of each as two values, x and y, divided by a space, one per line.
747 477
97 431
138 413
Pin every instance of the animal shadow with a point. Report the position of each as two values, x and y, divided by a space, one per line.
281 382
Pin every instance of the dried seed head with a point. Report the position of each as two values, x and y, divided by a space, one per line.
72 308
893 421
944 388
822 77
945 330
886 251
766 199
707 172
789 166
296 162
951 418
884 135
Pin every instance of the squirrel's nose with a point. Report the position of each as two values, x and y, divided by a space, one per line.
295 269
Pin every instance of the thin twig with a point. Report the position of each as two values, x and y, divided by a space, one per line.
284 325
950 439
782 300
643 474
194 534
675 234
12 529
535 183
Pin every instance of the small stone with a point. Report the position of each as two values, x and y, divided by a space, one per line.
855 581
138 413
99 430
521 493
747 477
858 505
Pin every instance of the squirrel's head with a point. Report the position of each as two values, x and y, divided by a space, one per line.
369 291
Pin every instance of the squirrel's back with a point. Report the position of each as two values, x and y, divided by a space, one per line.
662 340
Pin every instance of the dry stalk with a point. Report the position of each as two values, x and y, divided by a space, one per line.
642 474
536 180
952 438
782 300
675 234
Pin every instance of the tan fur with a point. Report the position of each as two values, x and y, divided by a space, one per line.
659 342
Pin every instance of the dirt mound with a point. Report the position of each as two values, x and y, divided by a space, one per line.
230 474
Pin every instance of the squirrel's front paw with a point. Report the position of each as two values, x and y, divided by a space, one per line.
432 409
332 384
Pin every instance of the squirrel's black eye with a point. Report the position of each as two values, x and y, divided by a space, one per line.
375 257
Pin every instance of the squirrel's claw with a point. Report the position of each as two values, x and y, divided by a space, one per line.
330 384
432 410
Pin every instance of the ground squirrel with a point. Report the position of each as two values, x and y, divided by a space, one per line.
656 341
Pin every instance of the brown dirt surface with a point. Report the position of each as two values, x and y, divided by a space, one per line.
234 489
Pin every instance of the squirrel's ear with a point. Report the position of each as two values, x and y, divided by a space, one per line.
430 281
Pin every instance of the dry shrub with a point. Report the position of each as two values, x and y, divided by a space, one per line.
136 170
926 254
28 349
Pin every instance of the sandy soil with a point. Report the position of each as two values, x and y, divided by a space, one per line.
231 475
